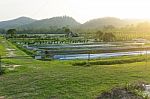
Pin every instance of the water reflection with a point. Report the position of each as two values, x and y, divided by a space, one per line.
102 55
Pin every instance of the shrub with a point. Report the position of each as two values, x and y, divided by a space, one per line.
2 71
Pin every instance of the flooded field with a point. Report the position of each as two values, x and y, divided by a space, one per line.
102 55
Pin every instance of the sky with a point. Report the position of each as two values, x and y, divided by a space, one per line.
81 10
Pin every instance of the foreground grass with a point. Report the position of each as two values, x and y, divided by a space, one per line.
60 80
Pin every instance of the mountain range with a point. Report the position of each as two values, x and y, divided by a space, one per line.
27 23
16 22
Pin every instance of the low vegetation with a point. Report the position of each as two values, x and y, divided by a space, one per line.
114 60
59 79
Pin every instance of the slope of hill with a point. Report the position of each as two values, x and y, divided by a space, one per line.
25 23
55 22
16 22
101 22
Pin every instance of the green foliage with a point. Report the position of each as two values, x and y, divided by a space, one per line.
52 25
2 71
106 37
11 33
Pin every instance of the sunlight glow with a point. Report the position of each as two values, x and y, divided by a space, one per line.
82 10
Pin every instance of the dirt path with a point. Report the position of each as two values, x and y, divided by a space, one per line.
10 52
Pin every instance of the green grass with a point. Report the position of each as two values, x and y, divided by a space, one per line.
60 80
113 60
2 48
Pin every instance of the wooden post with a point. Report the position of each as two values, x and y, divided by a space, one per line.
88 63
146 57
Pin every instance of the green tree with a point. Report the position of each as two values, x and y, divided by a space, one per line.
66 29
99 36
109 37
109 27
106 37
11 33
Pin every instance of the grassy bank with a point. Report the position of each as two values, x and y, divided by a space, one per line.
2 47
113 60
60 80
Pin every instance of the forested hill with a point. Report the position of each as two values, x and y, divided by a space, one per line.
101 22
16 22
105 22
55 22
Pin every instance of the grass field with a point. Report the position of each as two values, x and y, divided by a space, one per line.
61 80
2 48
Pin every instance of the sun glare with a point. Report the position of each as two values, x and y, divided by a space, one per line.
87 9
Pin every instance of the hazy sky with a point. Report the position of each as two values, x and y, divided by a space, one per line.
81 10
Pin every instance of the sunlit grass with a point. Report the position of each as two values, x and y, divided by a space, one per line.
61 80
2 47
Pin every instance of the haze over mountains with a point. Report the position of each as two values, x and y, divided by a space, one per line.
109 21
59 22
16 22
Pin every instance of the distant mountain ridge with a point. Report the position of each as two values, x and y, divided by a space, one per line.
16 22
25 23
58 22
101 22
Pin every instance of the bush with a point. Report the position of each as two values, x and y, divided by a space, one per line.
2 71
